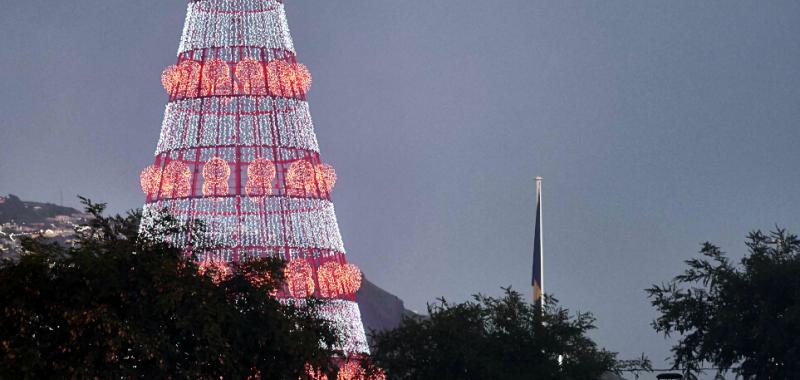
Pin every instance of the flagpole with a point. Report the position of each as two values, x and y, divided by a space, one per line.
538 249
541 238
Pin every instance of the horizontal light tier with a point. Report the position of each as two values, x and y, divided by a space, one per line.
230 171
242 222
221 23
328 277
235 54
248 76
346 319
237 6
239 253
237 121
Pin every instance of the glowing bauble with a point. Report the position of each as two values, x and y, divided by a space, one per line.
314 374
351 370
215 189
177 171
216 77
250 73
275 75
175 179
326 177
260 279
261 168
300 77
216 170
328 279
180 190
190 78
150 179
260 174
171 79
257 188
287 79
301 176
299 278
350 279
217 269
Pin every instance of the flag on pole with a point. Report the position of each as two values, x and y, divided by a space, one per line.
538 266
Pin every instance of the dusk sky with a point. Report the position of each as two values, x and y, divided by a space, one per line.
656 125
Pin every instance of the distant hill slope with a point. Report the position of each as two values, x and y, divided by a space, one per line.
14 210
380 310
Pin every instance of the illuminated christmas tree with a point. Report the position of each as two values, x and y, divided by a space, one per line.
238 152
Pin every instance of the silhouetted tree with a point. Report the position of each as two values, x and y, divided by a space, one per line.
120 305
494 338
741 317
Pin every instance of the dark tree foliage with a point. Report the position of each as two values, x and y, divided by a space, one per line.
493 338
117 305
741 317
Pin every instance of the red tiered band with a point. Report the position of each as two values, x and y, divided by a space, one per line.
303 178
250 76
327 277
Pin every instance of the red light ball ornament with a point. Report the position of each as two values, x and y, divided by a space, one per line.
175 181
299 278
327 277
326 177
301 176
190 78
350 279
216 77
250 73
216 268
301 77
276 72
215 189
257 189
261 168
171 79
216 170
260 174
351 370
287 79
150 179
